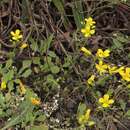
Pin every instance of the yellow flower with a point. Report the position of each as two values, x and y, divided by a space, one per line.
16 36
89 21
105 101
3 85
85 119
24 45
102 54
102 68
35 101
88 31
112 69
90 81
87 114
121 69
85 51
89 27
81 120
22 88
125 74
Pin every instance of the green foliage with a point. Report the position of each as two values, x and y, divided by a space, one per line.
53 68
119 41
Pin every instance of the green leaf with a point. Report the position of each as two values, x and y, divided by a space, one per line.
26 64
9 63
102 80
59 5
68 61
2 100
27 73
8 76
128 113
10 85
122 104
40 127
77 13
36 60
129 55
52 54
29 117
45 45
55 69
41 118
117 44
81 109
34 45
122 38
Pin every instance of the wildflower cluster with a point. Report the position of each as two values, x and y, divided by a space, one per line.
105 68
89 27
17 36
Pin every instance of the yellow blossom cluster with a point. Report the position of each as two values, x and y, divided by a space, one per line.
16 36
85 119
89 27
105 68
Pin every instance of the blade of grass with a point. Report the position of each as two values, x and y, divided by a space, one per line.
60 7
77 9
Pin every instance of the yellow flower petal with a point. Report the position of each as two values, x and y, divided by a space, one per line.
20 36
35 101
12 33
91 123
127 70
24 45
106 97
111 101
86 51
106 53
92 31
87 114
17 31
91 80
101 100
105 105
